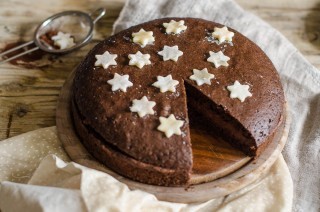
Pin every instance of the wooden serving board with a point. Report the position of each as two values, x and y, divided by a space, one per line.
218 169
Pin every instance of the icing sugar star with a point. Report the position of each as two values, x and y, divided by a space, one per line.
222 34
218 59
202 76
138 59
120 82
142 106
239 91
175 27
170 53
143 37
166 83
63 40
105 60
170 125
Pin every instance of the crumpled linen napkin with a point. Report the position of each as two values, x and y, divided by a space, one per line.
55 185
301 81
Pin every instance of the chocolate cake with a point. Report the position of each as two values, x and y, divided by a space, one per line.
133 91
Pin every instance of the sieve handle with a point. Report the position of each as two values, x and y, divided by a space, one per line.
18 55
99 12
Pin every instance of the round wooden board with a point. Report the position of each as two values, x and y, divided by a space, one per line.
218 169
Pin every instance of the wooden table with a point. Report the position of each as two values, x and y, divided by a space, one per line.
28 96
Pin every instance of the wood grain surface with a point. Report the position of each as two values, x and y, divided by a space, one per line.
218 169
28 96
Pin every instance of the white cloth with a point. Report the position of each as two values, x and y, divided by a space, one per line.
58 186
301 81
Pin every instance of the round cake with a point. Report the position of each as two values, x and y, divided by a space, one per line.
134 93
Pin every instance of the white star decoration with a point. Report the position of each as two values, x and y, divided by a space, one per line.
170 53
120 82
166 83
239 91
142 106
202 76
143 38
175 27
222 34
218 59
170 125
105 60
138 59
63 40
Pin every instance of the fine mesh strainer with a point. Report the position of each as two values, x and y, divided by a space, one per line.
76 23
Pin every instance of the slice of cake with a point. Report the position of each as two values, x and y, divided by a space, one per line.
132 93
